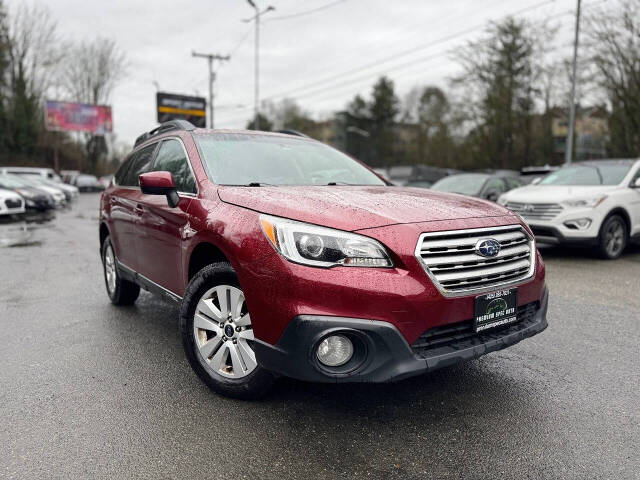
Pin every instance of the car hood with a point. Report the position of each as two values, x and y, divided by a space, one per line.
355 207
554 193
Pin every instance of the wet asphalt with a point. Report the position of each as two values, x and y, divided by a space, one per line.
89 390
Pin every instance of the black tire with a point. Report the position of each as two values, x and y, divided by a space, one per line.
613 225
252 386
125 292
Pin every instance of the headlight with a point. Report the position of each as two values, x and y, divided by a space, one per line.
585 202
502 200
25 193
322 247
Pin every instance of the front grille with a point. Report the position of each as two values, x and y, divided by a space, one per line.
459 335
13 203
450 259
535 211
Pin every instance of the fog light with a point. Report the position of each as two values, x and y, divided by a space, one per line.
579 224
335 350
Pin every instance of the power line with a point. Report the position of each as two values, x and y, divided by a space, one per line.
306 12
394 68
404 53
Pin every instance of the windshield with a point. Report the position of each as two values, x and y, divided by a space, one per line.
241 159
588 175
464 184
11 181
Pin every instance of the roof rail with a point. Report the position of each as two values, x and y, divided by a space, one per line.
165 127
289 131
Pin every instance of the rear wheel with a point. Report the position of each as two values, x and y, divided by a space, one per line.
613 237
218 336
120 291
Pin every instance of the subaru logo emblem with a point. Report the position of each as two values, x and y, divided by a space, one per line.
528 208
487 247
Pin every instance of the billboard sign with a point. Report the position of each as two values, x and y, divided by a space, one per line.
171 106
78 117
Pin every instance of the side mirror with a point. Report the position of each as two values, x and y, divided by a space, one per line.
636 184
536 180
160 183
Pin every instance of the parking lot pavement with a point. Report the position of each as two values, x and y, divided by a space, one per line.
89 390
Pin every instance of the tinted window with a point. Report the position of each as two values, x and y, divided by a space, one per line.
240 159
171 158
119 176
466 184
512 182
495 185
140 163
602 174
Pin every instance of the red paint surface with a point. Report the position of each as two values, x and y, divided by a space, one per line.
157 241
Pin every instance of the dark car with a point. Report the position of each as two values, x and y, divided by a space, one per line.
35 198
481 185
288 257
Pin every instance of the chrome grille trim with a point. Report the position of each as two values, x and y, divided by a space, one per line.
450 261
540 211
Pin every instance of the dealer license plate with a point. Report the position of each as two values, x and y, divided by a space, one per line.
495 309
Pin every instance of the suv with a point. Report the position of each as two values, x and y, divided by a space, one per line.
594 203
289 258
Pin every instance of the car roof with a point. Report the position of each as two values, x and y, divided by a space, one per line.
609 161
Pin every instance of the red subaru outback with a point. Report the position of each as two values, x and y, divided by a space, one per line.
290 258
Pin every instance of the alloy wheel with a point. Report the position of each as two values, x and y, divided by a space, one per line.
223 333
614 238
110 269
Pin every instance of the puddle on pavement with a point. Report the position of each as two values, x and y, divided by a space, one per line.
23 232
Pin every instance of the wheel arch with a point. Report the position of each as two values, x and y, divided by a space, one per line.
104 233
203 254
625 216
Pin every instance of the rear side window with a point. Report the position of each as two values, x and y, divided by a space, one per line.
495 185
119 176
172 158
140 163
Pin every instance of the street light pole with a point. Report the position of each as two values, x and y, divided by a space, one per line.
212 77
572 107
256 62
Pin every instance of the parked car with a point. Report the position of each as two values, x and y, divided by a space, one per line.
69 191
288 257
536 173
11 203
58 195
481 185
47 173
35 198
594 203
105 181
69 175
87 183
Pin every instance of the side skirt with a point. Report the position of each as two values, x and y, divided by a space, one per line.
148 285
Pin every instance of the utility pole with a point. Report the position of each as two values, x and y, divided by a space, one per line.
212 77
256 92
572 108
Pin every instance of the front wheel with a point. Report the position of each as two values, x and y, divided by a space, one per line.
217 334
613 237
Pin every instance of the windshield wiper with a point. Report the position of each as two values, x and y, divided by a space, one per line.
259 184
331 184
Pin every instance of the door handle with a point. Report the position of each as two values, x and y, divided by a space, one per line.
139 209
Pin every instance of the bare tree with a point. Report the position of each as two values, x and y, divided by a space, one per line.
613 44
32 56
89 74
92 69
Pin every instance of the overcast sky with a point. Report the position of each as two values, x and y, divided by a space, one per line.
321 59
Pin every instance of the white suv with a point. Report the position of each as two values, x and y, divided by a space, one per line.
594 203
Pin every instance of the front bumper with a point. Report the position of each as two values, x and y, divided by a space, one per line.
387 356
